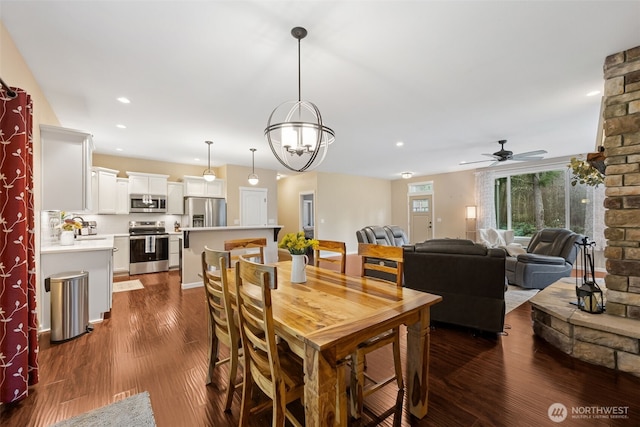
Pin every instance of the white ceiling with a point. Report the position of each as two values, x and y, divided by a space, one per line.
448 79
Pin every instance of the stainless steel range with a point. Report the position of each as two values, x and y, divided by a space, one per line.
149 247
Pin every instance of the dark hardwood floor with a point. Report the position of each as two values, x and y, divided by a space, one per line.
156 340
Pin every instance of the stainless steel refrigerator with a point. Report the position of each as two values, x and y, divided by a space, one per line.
205 211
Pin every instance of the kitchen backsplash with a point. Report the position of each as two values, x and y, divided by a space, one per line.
119 224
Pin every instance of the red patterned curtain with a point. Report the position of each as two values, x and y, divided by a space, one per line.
18 319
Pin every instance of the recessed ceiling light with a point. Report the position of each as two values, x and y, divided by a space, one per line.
196 159
399 144
119 149
121 126
593 93
124 100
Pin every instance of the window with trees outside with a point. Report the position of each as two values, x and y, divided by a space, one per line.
528 202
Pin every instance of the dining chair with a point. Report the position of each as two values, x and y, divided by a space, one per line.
389 261
284 254
274 368
251 248
222 327
333 247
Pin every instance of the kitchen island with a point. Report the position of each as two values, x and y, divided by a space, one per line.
93 254
194 239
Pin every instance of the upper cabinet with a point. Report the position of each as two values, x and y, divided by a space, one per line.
147 183
122 196
104 190
175 198
196 186
66 169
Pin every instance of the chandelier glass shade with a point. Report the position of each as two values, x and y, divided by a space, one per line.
209 175
253 178
296 134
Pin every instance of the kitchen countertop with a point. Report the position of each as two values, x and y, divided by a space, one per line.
231 227
99 242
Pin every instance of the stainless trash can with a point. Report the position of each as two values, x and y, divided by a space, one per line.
69 304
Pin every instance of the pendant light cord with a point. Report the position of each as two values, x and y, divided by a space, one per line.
299 75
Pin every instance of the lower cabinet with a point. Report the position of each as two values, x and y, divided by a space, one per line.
96 262
121 254
174 251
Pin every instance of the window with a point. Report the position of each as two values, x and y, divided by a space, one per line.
528 202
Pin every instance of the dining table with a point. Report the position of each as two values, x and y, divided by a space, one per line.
325 318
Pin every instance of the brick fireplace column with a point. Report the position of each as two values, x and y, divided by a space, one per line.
622 148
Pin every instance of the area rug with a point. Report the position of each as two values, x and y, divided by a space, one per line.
129 285
516 296
132 411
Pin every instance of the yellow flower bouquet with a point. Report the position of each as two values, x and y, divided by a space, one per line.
68 223
296 243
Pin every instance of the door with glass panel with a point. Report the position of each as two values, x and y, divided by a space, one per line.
420 218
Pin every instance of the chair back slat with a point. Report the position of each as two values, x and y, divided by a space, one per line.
334 247
251 247
383 259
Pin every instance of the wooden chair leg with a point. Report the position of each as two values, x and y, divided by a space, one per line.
231 384
213 353
245 405
396 359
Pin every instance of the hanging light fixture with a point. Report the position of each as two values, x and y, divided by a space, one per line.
208 174
295 131
253 178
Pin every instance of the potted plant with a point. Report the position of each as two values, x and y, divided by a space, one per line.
584 172
297 245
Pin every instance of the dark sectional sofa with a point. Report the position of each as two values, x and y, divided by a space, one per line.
469 276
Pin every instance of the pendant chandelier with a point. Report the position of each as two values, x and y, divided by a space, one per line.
253 178
295 131
208 174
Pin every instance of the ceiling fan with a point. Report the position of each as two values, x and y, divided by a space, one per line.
503 155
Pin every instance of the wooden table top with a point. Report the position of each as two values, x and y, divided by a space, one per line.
332 310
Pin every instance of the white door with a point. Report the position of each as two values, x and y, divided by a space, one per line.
421 212
253 206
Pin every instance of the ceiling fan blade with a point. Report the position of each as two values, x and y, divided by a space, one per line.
530 153
526 159
477 161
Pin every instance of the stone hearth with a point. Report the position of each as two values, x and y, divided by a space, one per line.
601 339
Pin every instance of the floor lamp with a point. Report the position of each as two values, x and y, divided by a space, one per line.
471 215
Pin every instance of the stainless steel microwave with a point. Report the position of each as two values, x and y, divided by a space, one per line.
147 203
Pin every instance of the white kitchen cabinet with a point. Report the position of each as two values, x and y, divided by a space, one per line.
147 183
196 186
104 190
122 196
66 169
121 254
174 250
175 198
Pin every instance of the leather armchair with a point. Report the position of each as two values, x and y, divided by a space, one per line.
376 235
550 256
396 235
388 235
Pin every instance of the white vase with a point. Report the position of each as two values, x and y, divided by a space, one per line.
298 271
67 238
